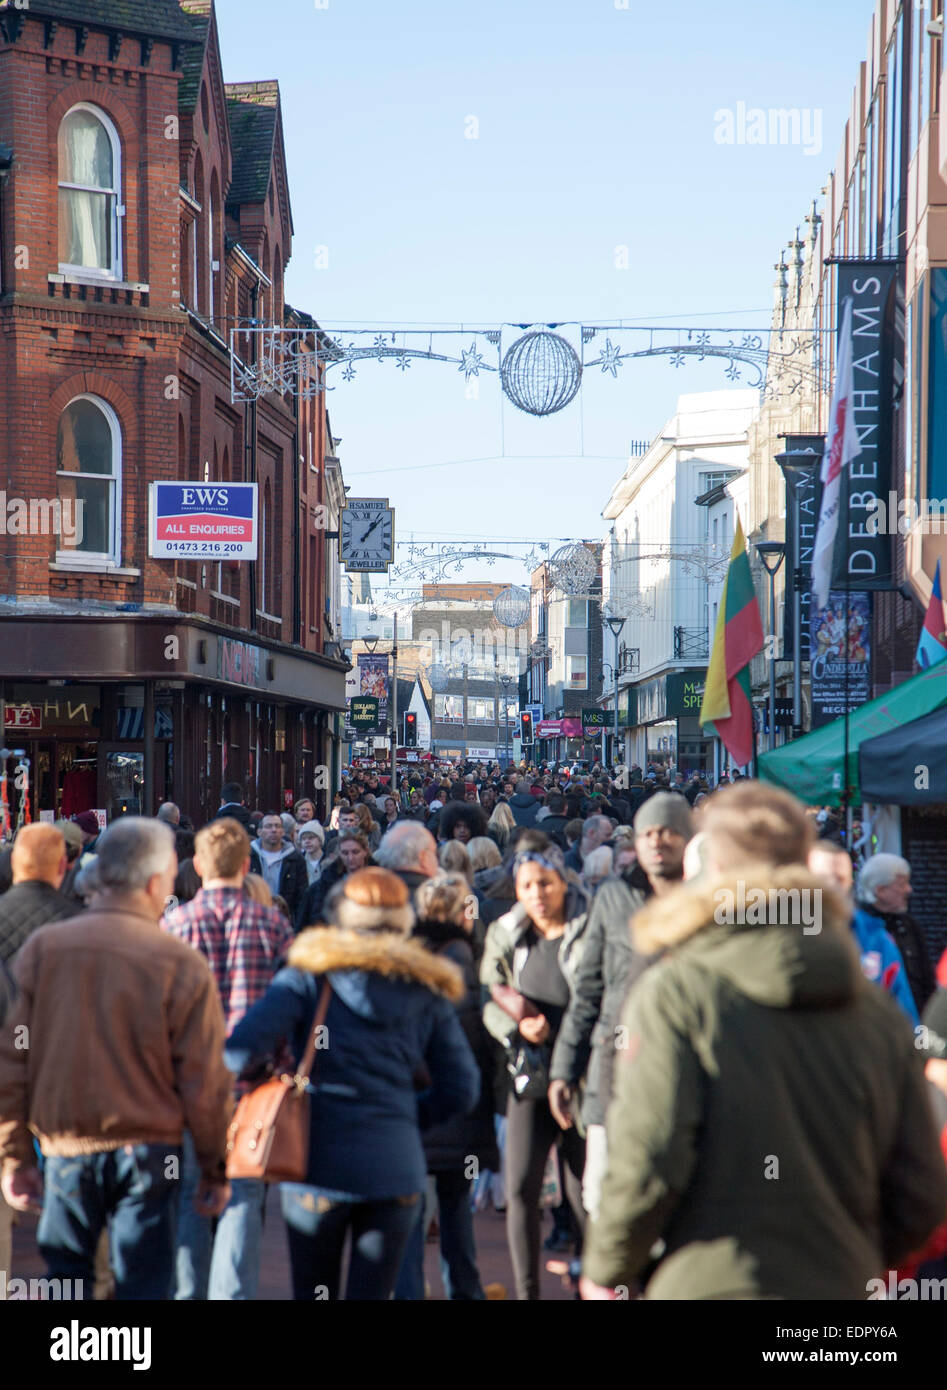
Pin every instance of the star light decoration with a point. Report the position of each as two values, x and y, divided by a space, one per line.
611 357
436 561
470 361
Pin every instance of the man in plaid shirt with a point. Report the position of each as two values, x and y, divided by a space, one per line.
245 944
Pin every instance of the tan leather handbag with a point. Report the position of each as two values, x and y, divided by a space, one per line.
268 1137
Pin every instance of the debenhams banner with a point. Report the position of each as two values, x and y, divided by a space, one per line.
877 363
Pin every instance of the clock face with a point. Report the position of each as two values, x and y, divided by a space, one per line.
367 534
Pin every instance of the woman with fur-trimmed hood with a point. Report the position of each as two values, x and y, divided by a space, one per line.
395 1060
770 1126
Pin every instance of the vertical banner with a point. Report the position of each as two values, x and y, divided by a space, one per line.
373 680
835 671
877 366
804 499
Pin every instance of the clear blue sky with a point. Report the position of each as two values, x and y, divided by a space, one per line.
596 130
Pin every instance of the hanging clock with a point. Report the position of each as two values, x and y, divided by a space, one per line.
367 535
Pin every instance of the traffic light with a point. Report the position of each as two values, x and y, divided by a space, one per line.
526 726
410 730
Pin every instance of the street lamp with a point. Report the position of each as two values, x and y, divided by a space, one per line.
798 467
771 555
615 624
505 682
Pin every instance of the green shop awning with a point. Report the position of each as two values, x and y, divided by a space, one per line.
811 767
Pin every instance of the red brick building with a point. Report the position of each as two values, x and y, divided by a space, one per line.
144 213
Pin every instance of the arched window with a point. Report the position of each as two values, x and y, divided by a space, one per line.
199 236
214 223
277 286
198 233
266 295
90 181
263 566
89 473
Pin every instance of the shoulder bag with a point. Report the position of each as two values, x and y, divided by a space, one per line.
268 1137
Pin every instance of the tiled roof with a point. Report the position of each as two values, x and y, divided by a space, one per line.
197 13
251 110
162 18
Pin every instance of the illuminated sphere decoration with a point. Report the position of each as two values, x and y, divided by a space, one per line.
541 373
511 608
438 676
573 568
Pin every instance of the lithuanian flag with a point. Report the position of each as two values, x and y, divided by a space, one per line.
728 706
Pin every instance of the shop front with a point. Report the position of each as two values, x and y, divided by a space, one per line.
669 735
559 740
118 715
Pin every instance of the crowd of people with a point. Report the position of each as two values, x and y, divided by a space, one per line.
541 991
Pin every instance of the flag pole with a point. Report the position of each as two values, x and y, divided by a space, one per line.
847 794
846 551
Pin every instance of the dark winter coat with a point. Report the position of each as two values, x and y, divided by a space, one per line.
494 895
236 812
525 809
26 906
187 883
391 1018
312 902
610 964
573 858
6 868
771 1122
910 941
449 1146
7 992
554 827
293 876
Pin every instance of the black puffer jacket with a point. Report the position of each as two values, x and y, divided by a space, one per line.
7 991
449 1145
26 906
610 964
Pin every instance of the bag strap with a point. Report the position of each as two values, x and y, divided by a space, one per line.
322 1008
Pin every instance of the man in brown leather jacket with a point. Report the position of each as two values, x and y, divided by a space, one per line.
113 1046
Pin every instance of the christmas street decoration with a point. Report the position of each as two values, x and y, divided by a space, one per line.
511 608
540 371
573 568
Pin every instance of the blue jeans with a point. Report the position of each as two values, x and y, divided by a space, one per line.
318 1222
458 1250
221 1264
130 1191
